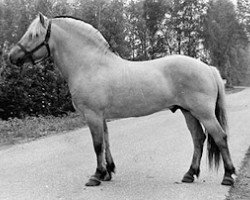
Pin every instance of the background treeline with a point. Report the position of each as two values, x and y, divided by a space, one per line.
215 31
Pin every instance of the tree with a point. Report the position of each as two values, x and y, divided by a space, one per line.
63 7
44 6
91 10
153 14
8 14
183 26
243 14
136 34
107 17
225 40
112 26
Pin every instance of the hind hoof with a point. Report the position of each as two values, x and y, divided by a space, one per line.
229 181
93 181
188 178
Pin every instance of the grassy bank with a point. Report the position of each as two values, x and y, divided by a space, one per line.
22 130
241 188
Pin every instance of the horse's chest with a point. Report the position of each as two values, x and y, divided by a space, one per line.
89 96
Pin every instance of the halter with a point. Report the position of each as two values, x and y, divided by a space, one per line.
28 54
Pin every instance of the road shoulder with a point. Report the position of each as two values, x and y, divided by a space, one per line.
241 188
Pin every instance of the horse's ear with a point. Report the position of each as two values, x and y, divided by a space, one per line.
42 19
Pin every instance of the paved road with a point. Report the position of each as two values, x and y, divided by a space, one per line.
151 153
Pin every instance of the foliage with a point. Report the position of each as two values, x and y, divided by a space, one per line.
185 23
153 14
243 15
33 91
107 17
211 30
136 35
226 41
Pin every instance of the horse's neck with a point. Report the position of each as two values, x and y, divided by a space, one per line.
74 55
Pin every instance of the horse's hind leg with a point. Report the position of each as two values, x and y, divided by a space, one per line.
198 137
110 163
219 137
95 123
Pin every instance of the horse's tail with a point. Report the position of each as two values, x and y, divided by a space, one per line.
214 155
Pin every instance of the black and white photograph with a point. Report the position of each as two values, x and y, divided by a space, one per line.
124 99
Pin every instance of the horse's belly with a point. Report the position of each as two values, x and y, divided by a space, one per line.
125 112
136 106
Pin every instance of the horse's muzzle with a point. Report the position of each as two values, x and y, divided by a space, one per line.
11 60
15 57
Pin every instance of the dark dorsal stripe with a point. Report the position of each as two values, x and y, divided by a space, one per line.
66 16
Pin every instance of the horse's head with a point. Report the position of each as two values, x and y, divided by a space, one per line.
34 45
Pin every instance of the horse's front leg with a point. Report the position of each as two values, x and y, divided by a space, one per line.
110 163
95 123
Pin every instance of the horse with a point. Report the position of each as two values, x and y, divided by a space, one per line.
105 86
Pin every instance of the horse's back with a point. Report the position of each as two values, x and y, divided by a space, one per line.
184 65
182 73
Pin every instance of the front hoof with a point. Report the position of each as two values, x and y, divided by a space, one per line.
93 181
229 181
188 178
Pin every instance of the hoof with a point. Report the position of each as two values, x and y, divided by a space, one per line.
227 181
93 181
188 178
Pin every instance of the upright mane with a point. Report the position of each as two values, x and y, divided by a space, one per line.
94 33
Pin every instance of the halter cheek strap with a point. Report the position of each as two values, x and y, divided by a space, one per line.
29 54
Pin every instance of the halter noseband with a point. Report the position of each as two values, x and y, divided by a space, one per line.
28 54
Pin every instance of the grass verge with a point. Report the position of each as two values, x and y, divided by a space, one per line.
22 130
232 90
241 188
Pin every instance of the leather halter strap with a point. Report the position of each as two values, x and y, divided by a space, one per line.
29 54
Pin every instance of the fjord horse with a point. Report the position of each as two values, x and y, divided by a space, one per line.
105 86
